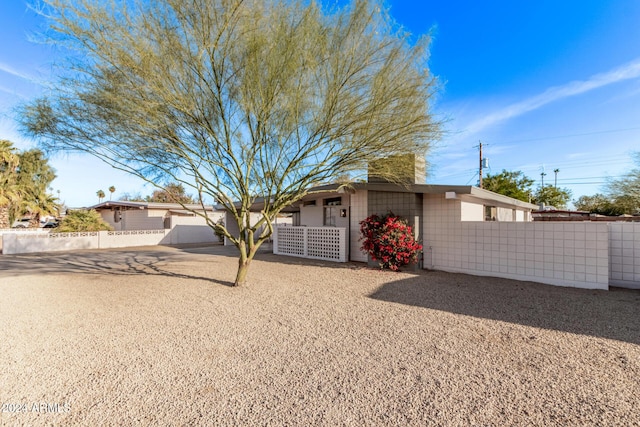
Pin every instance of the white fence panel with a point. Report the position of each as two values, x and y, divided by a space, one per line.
325 243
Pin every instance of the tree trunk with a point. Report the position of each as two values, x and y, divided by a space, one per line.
243 268
35 221
246 256
4 217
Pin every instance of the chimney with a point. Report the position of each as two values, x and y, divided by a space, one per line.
402 168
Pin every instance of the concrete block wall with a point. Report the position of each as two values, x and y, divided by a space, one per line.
564 254
624 253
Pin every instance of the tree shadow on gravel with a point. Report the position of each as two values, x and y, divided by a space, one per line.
127 262
609 314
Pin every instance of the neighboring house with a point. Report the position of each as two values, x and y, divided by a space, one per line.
125 215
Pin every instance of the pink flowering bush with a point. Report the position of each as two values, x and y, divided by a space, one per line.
389 240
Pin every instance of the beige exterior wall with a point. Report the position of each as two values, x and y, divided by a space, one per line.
471 211
311 216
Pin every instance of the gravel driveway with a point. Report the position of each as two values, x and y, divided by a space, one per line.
155 336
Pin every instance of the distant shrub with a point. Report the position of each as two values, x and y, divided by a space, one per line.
218 231
389 240
82 220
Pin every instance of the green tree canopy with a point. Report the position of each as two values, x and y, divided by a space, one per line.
33 178
171 193
509 183
625 192
552 196
238 100
598 203
9 192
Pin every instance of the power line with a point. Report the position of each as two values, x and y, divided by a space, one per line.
571 135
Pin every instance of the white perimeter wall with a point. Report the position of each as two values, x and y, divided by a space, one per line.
564 254
624 251
53 242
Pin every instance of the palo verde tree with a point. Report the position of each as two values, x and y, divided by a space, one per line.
241 101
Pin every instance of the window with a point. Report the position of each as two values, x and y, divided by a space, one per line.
490 213
330 214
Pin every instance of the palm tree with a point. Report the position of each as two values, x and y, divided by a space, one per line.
32 179
112 190
9 192
100 195
39 203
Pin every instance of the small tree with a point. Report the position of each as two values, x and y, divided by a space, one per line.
389 240
550 195
626 190
83 220
512 184
171 193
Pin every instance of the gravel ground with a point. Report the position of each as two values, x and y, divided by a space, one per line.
155 336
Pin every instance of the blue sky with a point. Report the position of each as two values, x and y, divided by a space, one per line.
544 85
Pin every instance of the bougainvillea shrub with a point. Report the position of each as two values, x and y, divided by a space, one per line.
389 240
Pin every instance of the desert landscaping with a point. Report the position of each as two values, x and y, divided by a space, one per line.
156 336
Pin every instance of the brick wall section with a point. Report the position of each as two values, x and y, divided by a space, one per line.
624 250
564 254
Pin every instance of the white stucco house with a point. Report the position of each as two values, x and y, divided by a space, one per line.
326 223
338 212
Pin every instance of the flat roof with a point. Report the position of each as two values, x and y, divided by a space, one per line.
468 190
148 205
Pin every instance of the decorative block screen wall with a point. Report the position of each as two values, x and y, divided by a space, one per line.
326 243
289 241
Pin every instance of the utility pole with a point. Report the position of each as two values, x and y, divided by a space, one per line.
542 175
555 181
480 169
